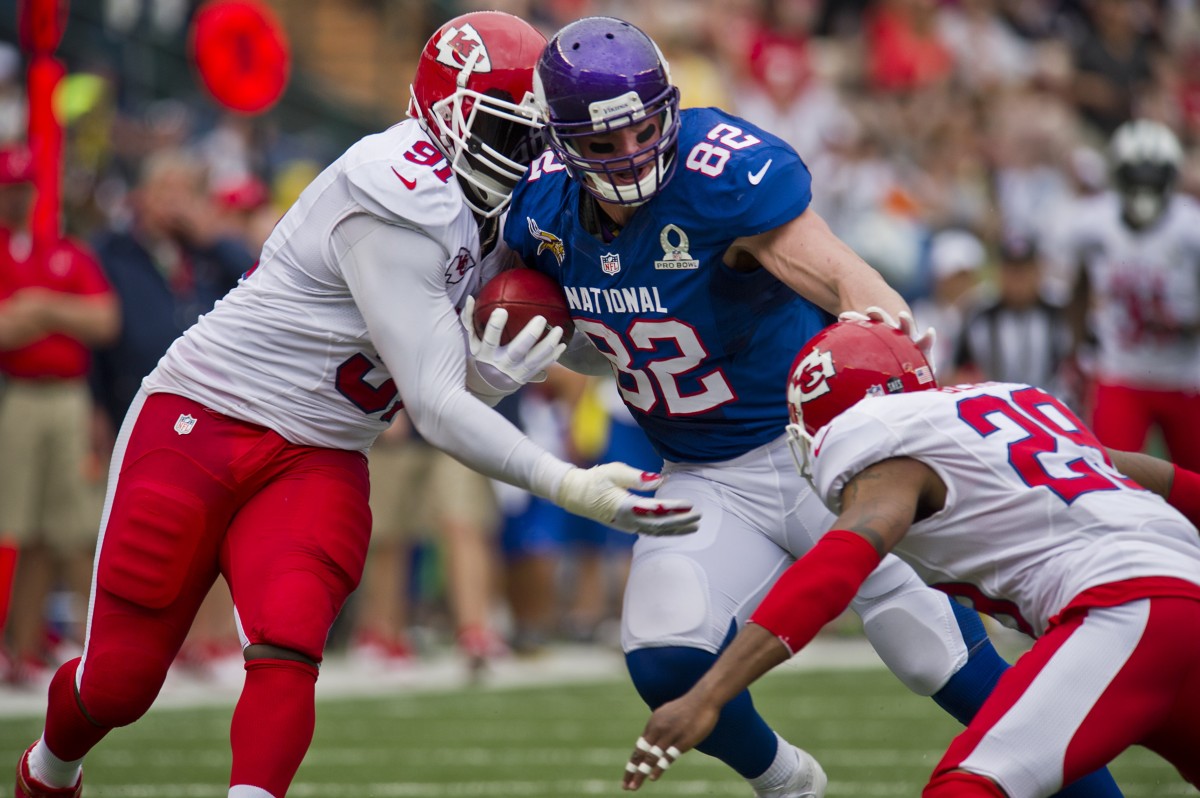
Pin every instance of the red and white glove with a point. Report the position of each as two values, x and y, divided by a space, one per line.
602 494
905 324
497 369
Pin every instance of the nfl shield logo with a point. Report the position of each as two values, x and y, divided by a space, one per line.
610 263
184 424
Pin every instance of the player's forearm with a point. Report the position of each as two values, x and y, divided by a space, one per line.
815 263
752 653
1179 486
403 301
1150 472
816 588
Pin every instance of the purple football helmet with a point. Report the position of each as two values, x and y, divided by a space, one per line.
601 75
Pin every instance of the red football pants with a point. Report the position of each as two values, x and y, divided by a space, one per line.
1122 417
286 525
1095 684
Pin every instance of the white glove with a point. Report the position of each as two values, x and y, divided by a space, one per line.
906 325
600 493
523 359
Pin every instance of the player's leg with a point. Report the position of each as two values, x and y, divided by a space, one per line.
1177 415
156 558
292 556
399 479
686 595
939 648
468 521
531 540
23 558
1091 687
1120 416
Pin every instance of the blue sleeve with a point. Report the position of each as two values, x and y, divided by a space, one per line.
783 193
748 179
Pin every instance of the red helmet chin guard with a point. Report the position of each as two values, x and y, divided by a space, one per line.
848 361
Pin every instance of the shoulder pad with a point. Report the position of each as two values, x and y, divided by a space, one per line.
394 176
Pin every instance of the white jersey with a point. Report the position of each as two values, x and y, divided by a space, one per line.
288 347
1035 513
1141 282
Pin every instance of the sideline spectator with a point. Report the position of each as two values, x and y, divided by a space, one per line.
54 304
422 495
956 257
168 268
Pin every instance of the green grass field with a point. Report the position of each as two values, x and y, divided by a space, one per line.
873 738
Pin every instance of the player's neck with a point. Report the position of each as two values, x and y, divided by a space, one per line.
602 219
617 214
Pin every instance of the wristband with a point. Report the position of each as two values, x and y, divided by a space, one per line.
816 588
1185 494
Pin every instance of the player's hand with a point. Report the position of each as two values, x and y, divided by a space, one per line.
905 324
602 494
675 728
523 359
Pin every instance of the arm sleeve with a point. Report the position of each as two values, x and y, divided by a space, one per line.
816 588
416 332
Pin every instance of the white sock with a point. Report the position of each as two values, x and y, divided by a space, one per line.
246 791
51 771
781 769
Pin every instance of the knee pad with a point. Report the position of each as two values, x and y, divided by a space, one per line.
294 611
663 674
666 601
117 687
916 635
146 558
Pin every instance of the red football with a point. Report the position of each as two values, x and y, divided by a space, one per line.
524 293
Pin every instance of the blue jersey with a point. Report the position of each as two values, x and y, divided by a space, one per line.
701 351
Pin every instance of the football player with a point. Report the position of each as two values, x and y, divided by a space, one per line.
695 268
244 453
998 494
1136 254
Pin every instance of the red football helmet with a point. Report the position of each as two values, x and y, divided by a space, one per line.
847 362
473 93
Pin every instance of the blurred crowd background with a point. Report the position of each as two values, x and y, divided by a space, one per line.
949 142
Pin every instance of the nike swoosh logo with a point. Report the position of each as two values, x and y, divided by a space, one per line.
411 184
755 177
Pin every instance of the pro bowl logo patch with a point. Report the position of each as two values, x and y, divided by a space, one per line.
459 266
610 262
810 378
548 241
675 250
463 47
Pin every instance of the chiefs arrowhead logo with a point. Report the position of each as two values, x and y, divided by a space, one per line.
463 48
810 379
